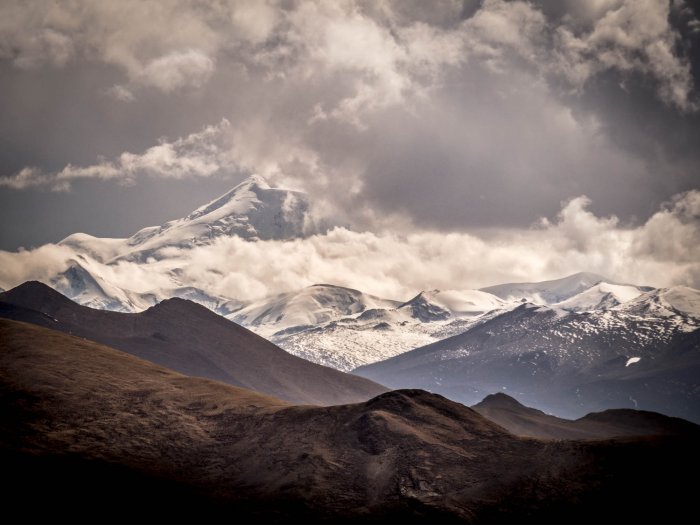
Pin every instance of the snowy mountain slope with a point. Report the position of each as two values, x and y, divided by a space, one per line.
90 289
682 299
550 292
438 305
665 302
601 296
251 210
306 308
98 248
567 363
83 283
345 334
351 342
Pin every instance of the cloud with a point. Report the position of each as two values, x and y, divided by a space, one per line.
200 154
389 48
673 234
161 44
398 266
176 70
120 92
664 251
632 36
38 264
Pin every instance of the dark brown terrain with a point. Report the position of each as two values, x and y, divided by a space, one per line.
188 338
85 426
529 422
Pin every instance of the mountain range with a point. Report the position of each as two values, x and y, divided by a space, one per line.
641 354
190 339
567 346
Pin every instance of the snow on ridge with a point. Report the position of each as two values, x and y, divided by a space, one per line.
632 360
547 292
310 306
666 302
600 296
683 299
463 301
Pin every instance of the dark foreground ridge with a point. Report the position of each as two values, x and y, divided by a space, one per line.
86 426
189 338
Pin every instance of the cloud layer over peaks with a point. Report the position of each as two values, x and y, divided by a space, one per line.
663 251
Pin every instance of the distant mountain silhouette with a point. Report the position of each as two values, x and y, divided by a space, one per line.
530 422
190 339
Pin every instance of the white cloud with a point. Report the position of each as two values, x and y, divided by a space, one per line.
171 45
178 69
673 234
200 154
664 251
635 35
516 27
121 93
386 65
30 177
166 45
38 264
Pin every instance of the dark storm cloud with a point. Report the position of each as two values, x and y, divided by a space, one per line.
448 115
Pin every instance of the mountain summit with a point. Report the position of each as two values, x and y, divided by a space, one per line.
252 210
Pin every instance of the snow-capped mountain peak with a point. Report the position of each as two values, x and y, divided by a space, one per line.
252 210
437 305
601 296
239 200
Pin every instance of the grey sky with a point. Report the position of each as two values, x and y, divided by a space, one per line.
452 116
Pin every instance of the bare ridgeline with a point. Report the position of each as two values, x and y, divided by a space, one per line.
177 411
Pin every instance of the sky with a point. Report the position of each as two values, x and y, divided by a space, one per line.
496 140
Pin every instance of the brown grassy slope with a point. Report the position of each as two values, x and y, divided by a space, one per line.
530 422
85 422
190 339
90 399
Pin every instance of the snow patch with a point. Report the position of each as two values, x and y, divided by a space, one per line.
632 360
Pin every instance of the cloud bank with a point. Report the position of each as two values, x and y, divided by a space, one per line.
200 154
663 251
392 46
